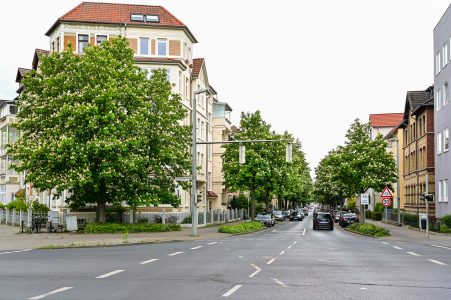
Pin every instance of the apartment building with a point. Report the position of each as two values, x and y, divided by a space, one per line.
158 40
442 112
418 148
395 141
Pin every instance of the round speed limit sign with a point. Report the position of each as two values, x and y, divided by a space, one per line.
386 201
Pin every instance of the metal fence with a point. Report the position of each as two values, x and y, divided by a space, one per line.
53 221
412 220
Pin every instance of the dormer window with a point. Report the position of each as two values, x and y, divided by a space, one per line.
137 18
153 18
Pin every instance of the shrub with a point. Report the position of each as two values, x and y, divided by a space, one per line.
369 229
411 220
377 216
187 220
379 207
37 207
239 202
241 228
1 205
18 204
444 228
351 204
130 228
368 214
446 220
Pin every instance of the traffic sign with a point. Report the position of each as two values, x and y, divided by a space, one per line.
386 193
386 201
364 199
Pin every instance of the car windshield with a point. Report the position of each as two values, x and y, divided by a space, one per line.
263 217
277 212
350 215
324 217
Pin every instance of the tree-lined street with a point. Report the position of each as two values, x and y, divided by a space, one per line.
289 260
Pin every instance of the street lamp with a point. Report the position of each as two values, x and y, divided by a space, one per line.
398 202
194 163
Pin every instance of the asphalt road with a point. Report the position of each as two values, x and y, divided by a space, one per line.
289 261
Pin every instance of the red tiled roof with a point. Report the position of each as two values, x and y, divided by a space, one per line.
211 194
197 65
386 120
115 13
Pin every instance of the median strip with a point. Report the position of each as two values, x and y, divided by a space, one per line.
232 290
109 274
51 293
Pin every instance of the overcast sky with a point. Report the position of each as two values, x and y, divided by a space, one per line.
310 67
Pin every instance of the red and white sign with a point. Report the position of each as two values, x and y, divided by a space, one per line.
386 193
386 201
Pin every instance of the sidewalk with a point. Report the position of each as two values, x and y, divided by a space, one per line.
406 234
12 239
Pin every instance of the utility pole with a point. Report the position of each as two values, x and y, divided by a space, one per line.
427 205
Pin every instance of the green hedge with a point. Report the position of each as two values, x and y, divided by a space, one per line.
369 229
446 220
130 228
375 215
368 214
241 228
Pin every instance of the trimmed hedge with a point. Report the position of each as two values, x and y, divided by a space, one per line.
241 228
130 228
446 220
377 216
369 229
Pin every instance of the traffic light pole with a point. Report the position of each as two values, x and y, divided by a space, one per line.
427 206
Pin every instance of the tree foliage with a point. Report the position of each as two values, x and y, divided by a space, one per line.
94 125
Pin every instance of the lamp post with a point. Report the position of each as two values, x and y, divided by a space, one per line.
194 163
398 201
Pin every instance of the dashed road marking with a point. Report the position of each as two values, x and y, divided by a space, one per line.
397 248
363 288
385 243
281 253
148 261
175 253
295 242
15 251
279 282
51 293
197 247
443 247
239 256
212 243
303 233
271 261
413 253
232 290
255 273
109 274
437 262
289 247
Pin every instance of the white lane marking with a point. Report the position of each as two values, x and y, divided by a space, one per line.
303 233
437 262
385 243
397 248
413 253
232 290
270 262
51 293
175 253
275 230
109 274
295 242
443 247
148 261
255 273
239 256
281 253
197 247
16 251
363 288
212 243
289 247
279 282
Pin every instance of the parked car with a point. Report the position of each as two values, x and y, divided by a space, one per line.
348 218
323 220
338 214
266 219
278 215
286 214
297 215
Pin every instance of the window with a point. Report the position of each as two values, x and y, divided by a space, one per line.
445 190
198 128
162 43
437 63
180 82
144 46
438 99
439 142
440 192
168 74
445 93
83 41
137 18
58 44
187 95
444 55
445 140
202 129
100 39
152 18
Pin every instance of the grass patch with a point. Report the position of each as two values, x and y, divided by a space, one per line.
130 228
369 229
241 228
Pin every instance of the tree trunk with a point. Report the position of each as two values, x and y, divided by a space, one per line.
252 200
101 207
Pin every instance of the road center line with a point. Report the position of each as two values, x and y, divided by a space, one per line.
437 262
413 253
51 293
270 262
255 273
295 242
148 261
109 274
289 247
197 247
232 290
443 247
212 243
303 233
175 253
16 251
281 253
397 248
279 282
385 243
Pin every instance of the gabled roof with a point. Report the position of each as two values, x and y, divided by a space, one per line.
115 13
197 65
36 57
417 101
385 120
21 72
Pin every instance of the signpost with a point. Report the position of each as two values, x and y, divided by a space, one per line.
364 200
386 200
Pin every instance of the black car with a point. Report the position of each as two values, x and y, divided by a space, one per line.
297 215
323 220
266 219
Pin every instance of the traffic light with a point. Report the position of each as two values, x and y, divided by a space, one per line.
426 197
199 197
